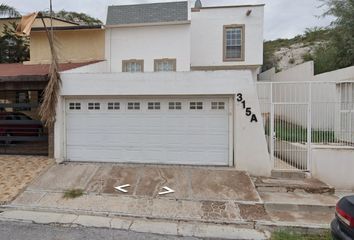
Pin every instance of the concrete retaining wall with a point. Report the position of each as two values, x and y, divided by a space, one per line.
334 165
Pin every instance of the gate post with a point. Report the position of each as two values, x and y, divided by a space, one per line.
309 126
271 132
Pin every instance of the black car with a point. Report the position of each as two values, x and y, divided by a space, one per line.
343 225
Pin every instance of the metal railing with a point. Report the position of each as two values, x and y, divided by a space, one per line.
297 115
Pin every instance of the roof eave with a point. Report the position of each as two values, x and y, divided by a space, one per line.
55 18
147 24
63 28
235 6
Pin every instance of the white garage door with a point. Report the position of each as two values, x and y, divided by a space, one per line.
193 131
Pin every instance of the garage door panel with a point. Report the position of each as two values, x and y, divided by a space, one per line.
98 138
190 158
161 136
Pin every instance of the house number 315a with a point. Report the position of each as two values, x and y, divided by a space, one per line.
248 110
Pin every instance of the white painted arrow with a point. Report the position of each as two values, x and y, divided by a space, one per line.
120 188
168 190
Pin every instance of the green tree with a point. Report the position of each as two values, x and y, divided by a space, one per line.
13 48
325 59
8 11
81 18
343 30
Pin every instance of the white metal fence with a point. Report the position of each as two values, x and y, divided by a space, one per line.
299 114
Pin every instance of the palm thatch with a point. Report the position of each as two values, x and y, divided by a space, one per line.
51 93
9 11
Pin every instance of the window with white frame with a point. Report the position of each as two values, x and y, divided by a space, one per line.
196 105
94 106
234 42
175 105
218 105
133 105
113 106
133 65
74 106
165 65
154 106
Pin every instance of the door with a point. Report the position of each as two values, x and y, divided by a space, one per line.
188 131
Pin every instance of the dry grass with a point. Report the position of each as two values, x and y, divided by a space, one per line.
290 235
73 193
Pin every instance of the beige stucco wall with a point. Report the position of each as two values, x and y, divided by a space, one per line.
72 46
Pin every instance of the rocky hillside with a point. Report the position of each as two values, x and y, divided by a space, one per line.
286 53
287 57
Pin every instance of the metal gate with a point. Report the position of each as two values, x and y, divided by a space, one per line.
21 131
291 145
300 115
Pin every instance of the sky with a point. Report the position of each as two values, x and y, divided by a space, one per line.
283 18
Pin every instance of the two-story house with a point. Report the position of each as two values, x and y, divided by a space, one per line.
177 87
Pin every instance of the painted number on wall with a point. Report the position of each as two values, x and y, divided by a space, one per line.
248 110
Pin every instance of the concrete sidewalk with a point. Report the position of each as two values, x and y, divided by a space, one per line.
17 172
173 228
204 197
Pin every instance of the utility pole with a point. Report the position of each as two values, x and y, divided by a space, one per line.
51 19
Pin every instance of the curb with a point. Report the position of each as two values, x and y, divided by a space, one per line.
244 230
176 228
300 207
238 223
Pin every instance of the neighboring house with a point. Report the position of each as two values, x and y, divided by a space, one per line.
22 84
75 44
177 87
73 41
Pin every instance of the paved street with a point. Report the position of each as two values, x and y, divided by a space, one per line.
28 231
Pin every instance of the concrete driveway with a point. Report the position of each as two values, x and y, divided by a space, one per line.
206 199
201 193
189 183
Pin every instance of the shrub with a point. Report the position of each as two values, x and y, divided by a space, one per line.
73 193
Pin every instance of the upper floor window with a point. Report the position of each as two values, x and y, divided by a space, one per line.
234 43
133 65
165 65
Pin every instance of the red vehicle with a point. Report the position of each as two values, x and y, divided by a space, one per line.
343 225
16 126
